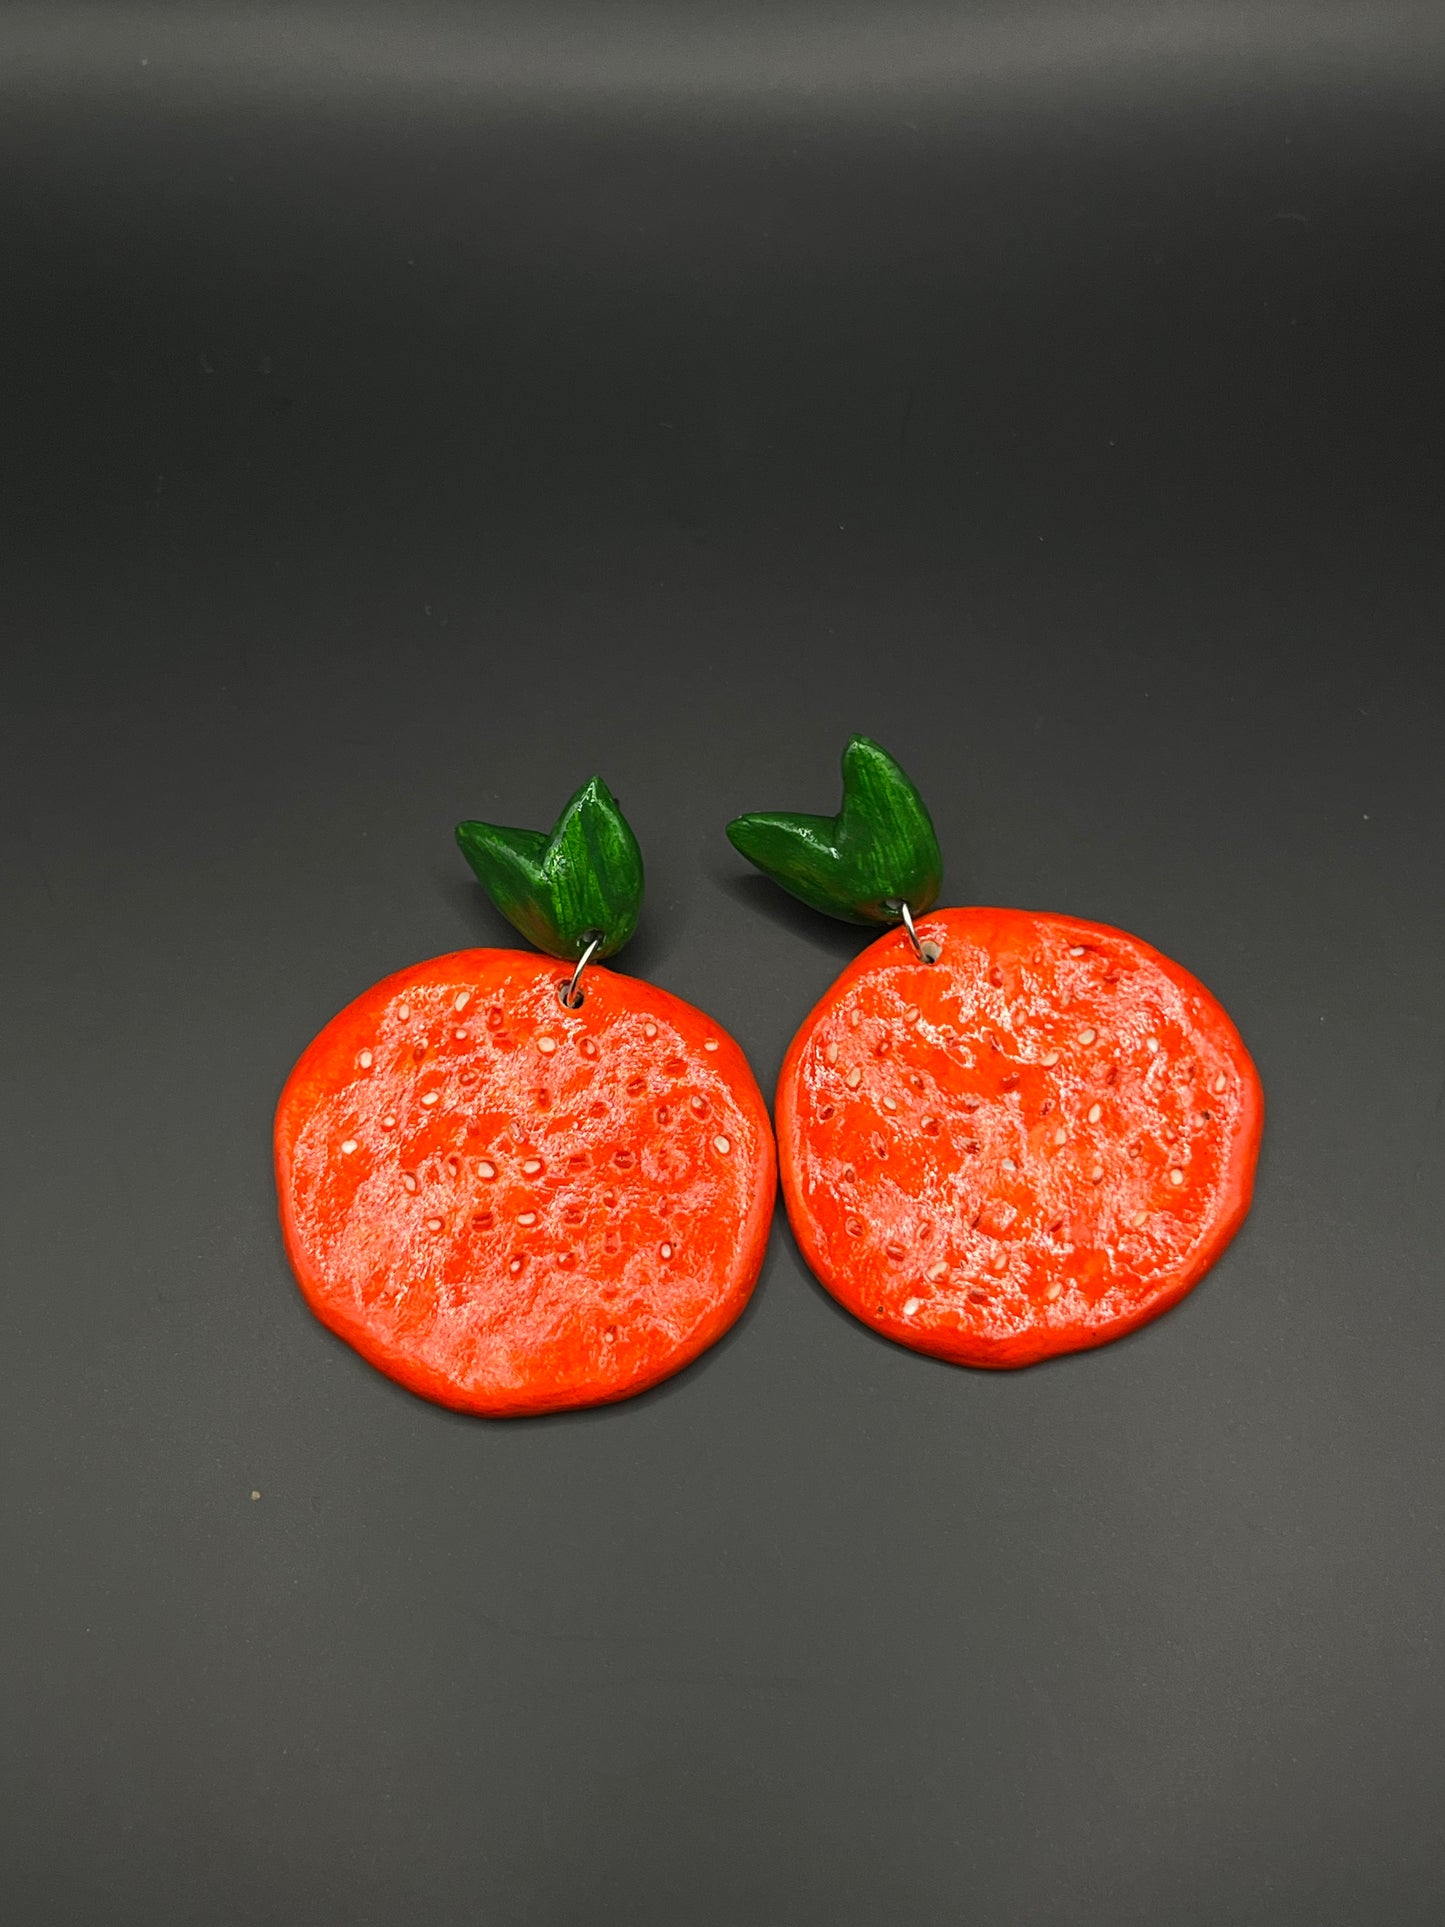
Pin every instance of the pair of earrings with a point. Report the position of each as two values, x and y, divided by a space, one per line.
518 1184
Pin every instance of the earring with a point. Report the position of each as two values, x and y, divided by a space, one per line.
1002 1134
518 1183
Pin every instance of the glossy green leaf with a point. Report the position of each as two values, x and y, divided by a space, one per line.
582 880
878 852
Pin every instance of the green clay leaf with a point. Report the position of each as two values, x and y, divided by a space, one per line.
877 853
584 880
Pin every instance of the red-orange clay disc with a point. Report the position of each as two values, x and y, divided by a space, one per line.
1032 1145
512 1207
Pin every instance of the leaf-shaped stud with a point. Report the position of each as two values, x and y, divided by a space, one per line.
562 889
877 854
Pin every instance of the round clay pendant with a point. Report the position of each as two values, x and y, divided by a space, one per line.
1030 1145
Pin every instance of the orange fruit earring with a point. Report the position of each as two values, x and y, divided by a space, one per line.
1002 1134
518 1183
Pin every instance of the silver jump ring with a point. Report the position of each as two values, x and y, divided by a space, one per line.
572 996
913 937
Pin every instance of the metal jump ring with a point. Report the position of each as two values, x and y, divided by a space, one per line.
572 996
908 924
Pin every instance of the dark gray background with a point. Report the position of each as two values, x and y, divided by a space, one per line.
405 416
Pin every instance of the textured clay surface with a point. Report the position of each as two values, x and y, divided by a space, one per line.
1031 1145
513 1207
